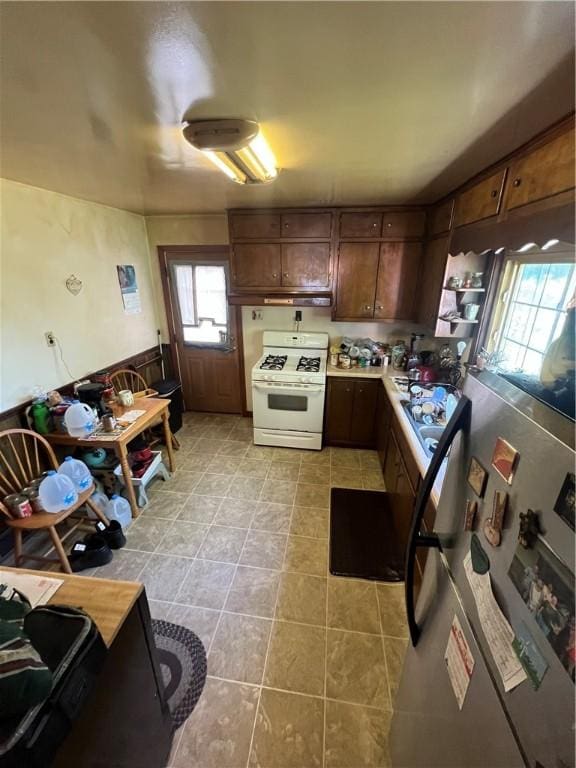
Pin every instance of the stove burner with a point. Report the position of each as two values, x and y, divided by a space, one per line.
310 364
274 362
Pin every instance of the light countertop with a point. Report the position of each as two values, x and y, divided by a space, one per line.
396 397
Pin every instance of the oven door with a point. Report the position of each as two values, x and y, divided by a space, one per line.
297 407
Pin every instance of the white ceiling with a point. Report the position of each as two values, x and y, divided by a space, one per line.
381 102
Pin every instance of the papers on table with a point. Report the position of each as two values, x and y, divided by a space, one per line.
499 634
38 589
130 417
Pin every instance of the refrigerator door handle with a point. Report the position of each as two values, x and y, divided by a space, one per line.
460 420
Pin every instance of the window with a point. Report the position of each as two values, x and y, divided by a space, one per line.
531 314
201 290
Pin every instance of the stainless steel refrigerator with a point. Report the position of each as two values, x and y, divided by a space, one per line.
528 725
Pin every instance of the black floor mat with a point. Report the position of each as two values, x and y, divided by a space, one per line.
363 539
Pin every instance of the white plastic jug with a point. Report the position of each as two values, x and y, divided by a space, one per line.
100 500
119 509
57 492
79 420
78 472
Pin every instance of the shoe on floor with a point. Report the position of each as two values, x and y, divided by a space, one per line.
112 534
90 553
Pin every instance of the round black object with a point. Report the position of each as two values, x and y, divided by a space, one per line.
90 393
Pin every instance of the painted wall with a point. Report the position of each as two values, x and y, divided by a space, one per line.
46 237
313 319
195 229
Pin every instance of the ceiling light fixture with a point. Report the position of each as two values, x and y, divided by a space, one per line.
236 147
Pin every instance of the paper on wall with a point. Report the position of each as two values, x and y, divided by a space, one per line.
459 661
499 634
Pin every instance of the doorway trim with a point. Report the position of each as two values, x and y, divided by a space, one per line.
207 252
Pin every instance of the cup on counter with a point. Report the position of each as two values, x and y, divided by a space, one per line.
345 361
125 398
334 358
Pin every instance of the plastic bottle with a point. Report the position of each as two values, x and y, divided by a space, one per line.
78 472
100 500
57 492
41 417
119 509
79 419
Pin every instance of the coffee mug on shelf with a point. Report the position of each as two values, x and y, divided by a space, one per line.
125 398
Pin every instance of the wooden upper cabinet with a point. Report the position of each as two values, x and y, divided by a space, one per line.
244 226
398 278
306 265
360 224
403 224
357 272
306 225
480 201
546 171
441 218
256 265
431 281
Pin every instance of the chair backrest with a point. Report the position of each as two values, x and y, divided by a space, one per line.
24 455
127 379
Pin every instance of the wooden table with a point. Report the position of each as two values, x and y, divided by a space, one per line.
154 408
125 721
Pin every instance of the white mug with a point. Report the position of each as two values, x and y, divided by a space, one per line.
126 397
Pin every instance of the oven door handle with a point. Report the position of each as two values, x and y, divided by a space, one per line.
305 390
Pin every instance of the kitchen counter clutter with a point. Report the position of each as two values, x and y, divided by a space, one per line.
370 372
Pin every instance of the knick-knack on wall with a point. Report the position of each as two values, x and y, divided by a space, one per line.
74 285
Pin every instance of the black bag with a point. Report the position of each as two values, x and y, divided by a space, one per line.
71 646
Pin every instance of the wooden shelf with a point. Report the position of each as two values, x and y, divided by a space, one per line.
459 320
466 290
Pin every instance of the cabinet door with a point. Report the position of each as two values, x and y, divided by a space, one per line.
544 172
256 265
441 218
480 201
306 225
357 273
404 224
398 278
391 464
339 407
306 265
363 426
432 280
403 504
383 421
360 224
254 225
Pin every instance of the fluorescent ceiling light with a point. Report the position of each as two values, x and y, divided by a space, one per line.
550 243
526 247
236 147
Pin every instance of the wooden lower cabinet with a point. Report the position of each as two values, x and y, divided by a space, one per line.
351 412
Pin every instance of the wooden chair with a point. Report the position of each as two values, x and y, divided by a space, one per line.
135 382
125 378
24 455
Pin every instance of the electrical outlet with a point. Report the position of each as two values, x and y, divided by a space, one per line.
50 338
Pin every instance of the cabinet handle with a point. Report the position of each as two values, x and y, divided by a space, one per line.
360 390
285 274
379 306
274 274
517 182
348 389
367 306
494 193
389 225
374 225
286 225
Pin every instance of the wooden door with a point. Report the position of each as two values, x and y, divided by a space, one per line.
398 279
306 265
339 407
307 225
204 328
546 171
357 272
441 218
363 424
431 281
360 224
256 265
480 201
403 224
244 226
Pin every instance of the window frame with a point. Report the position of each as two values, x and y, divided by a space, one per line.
200 262
505 287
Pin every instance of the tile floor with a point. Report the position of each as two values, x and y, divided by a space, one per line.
302 666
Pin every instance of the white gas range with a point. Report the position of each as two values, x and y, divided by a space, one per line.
288 390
